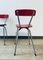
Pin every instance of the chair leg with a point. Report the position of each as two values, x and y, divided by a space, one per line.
28 37
32 43
16 42
4 32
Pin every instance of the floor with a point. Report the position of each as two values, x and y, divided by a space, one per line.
24 50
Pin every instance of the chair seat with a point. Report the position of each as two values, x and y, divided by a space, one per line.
24 26
2 24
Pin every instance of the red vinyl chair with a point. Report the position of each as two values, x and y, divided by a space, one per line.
4 17
24 12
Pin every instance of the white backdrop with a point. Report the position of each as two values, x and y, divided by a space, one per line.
9 7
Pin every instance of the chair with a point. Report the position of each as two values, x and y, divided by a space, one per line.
24 12
4 17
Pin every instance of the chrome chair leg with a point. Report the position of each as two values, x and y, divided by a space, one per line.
16 42
4 32
32 43
28 37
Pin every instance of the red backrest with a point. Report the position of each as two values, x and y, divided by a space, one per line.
4 16
25 12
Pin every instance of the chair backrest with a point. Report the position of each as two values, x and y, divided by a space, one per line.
3 18
25 12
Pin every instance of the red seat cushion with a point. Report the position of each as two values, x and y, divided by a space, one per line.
24 26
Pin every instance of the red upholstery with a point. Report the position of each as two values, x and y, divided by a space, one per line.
24 26
25 12
4 16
